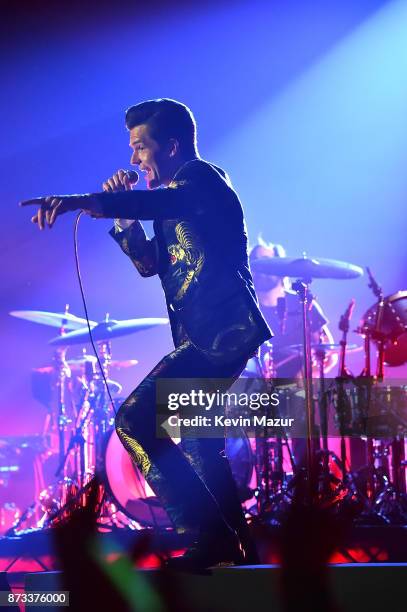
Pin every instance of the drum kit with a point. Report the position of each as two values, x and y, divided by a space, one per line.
78 438
79 430
345 415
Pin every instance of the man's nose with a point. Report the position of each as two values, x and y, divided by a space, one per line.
134 160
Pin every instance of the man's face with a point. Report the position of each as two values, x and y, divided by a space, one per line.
150 157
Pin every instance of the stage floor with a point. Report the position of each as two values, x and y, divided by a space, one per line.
354 587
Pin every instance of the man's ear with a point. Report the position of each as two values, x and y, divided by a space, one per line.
173 147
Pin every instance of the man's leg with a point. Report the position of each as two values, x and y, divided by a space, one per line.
162 462
208 457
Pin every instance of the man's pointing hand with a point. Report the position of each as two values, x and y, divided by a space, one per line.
51 207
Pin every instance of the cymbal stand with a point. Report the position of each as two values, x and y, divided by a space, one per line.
274 480
77 441
101 423
263 452
64 372
105 352
376 451
301 286
94 420
62 420
376 334
320 355
271 478
343 375
329 484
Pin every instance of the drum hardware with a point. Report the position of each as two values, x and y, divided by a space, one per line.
380 489
385 323
77 364
20 476
320 354
399 465
18 526
305 270
377 491
10 514
306 298
376 332
344 321
343 374
270 475
329 347
106 330
77 441
83 456
305 267
62 419
86 446
64 320
378 486
379 499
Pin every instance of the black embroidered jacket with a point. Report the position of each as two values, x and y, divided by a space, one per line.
199 252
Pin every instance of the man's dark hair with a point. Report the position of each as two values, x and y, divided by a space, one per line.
166 119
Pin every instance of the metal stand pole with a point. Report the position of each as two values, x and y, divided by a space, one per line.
305 296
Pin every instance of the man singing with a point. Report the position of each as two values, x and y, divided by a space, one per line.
199 251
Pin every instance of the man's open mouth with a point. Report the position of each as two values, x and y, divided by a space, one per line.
147 172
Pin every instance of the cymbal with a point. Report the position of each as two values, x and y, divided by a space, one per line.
78 362
107 330
305 267
53 319
333 347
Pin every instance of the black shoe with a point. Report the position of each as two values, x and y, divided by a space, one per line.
209 551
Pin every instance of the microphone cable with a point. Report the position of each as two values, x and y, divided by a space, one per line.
154 519
78 272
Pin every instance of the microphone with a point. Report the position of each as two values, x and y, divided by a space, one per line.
132 176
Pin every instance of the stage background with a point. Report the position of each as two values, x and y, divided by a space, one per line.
303 103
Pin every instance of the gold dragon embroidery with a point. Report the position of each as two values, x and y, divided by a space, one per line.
187 251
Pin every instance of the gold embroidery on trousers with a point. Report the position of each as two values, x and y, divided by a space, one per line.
137 452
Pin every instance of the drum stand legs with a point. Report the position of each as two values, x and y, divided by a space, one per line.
79 463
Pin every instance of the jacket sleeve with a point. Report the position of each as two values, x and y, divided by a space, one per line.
135 244
186 196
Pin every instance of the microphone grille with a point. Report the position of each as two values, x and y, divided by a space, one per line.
132 176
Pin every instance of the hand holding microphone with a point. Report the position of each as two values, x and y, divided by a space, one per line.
51 207
121 181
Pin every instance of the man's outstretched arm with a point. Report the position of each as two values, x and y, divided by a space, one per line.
185 197
141 205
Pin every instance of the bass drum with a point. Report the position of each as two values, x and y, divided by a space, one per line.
132 494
